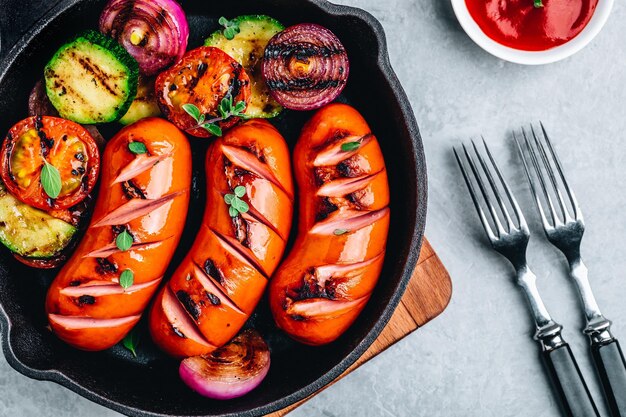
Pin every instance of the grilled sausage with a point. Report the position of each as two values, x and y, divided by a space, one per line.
145 195
330 273
219 283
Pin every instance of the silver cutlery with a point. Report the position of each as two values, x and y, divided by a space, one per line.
564 227
511 242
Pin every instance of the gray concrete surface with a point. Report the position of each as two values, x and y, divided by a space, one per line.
477 359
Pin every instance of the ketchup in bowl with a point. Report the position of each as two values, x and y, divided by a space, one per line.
522 24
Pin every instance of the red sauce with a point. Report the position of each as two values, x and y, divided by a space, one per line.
520 25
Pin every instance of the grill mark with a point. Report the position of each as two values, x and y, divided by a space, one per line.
213 271
131 190
190 305
302 52
98 75
213 298
85 300
308 83
325 209
105 266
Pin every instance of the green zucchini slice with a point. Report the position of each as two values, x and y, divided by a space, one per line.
91 79
247 48
31 232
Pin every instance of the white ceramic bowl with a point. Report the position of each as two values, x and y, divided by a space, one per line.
558 53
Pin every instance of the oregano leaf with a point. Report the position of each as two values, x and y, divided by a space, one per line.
124 241
127 277
50 180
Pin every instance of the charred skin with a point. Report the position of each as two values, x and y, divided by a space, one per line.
219 283
86 305
329 275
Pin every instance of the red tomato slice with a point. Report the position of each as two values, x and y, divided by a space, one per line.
65 145
203 77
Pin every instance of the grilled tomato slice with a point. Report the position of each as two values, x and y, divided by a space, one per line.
203 77
61 144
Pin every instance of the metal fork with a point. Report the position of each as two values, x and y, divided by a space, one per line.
566 378
564 230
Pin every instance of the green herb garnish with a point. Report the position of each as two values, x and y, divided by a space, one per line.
131 341
226 109
127 278
231 27
124 241
137 148
339 232
350 146
538 3
50 179
237 205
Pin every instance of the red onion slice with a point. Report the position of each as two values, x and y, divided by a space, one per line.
305 66
154 32
231 371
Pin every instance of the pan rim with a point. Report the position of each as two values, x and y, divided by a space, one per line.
417 164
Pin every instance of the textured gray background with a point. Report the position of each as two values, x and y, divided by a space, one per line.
477 359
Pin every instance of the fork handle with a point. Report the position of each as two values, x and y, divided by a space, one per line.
568 382
611 366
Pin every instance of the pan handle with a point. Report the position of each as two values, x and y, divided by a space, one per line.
16 19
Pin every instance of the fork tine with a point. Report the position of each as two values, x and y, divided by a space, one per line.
533 188
494 187
533 157
474 195
481 186
518 211
572 198
548 166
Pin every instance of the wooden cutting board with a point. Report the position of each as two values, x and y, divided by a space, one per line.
426 296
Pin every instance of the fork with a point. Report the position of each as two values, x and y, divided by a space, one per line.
565 231
567 380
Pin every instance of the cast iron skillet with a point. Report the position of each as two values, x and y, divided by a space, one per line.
149 385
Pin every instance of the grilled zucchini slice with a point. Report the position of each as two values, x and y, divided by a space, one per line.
247 48
91 79
31 232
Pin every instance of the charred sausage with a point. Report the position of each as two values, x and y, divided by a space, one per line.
219 283
330 273
144 194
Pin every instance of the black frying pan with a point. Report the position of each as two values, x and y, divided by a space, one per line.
149 385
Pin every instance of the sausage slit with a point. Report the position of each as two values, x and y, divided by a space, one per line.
214 288
233 246
343 186
133 209
112 248
250 162
349 220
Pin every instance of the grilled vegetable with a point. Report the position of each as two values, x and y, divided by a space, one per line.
29 232
203 78
42 150
247 48
154 32
144 105
305 66
92 79
231 371
39 105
